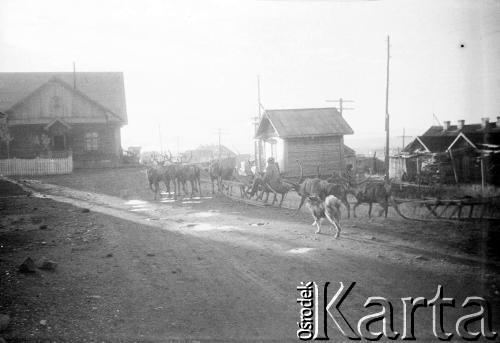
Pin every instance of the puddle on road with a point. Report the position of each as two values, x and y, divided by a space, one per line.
192 202
299 250
135 202
40 195
209 227
140 209
258 224
156 219
204 214
167 200
138 205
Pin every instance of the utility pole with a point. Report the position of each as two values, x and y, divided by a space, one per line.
219 132
258 97
404 137
341 104
159 136
387 113
255 123
258 145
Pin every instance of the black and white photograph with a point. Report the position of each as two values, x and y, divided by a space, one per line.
249 170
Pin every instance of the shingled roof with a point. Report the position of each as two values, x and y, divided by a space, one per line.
304 122
105 88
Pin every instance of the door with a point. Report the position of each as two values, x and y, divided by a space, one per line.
59 142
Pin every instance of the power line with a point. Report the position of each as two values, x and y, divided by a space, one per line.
258 143
219 132
160 137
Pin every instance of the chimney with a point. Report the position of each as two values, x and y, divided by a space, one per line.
460 124
446 125
485 123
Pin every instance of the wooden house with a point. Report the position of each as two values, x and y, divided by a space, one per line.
453 153
55 114
313 136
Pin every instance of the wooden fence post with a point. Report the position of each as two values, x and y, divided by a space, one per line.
453 167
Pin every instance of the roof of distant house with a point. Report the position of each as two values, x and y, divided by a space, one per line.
454 131
430 143
349 152
438 139
105 88
305 122
214 150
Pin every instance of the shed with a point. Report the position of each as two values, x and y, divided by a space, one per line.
313 136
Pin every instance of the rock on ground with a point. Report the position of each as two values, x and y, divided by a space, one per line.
28 266
4 322
47 264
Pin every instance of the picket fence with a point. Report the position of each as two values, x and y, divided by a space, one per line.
36 166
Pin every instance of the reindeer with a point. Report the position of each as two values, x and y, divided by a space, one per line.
156 175
169 172
306 187
258 188
245 176
214 172
316 187
221 169
186 172
271 183
370 192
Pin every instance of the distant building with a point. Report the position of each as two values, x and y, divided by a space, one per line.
53 114
459 153
313 136
207 153
349 157
369 165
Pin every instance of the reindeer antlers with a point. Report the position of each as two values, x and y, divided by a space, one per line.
189 160
169 158
180 158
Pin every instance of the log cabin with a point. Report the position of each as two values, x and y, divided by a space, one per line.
313 136
61 113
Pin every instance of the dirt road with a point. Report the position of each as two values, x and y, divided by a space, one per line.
203 269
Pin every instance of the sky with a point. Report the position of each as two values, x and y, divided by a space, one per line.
191 67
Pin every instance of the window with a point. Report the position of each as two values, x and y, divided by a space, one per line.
91 141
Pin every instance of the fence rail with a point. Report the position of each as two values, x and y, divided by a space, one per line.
36 166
